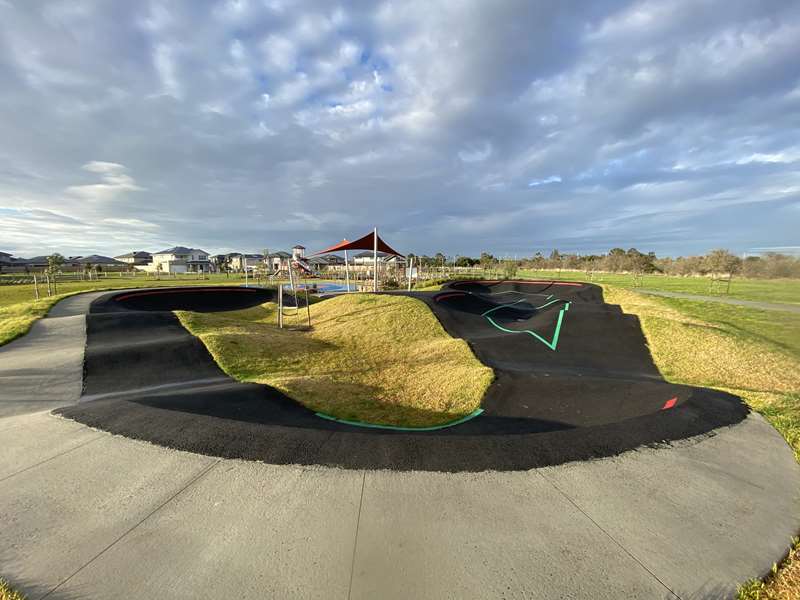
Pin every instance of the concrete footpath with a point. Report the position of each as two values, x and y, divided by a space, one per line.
90 515
43 369
773 306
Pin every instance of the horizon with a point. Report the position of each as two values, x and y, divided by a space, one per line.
665 126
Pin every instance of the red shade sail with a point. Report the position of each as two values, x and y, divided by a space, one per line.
365 243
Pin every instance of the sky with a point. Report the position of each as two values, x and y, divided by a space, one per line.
453 126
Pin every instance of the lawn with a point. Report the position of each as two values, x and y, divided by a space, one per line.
377 359
786 291
751 353
19 310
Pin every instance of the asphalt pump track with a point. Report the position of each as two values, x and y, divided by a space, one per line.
574 381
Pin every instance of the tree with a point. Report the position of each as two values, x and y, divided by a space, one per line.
222 262
722 261
54 263
486 260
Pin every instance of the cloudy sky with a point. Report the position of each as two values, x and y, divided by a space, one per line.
457 125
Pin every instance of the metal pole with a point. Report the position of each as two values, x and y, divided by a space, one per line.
346 271
375 261
410 271
308 309
280 305
35 286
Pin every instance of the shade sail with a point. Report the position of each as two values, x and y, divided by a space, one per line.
365 243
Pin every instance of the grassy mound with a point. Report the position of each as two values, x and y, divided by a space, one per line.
373 358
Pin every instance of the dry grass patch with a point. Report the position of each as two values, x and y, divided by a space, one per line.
7 593
374 358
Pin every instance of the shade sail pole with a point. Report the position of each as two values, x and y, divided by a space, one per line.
375 261
346 271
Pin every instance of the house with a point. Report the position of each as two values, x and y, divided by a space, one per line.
180 260
6 260
96 260
136 258
326 261
298 252
278 261
239 262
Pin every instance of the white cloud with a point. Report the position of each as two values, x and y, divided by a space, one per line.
115 182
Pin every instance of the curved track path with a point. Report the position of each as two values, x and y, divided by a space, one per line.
94 515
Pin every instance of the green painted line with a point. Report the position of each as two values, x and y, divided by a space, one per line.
491 310
552 344
549 303
463 419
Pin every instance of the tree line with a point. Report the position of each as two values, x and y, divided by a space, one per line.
769 265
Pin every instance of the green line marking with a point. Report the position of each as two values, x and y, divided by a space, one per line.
552 344
463 419
491 310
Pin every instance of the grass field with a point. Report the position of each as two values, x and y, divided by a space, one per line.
785 291
377 359
751 353
19 310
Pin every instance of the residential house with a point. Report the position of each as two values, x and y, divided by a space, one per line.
241 262
6 260
180 260
96 261
278 261
138 258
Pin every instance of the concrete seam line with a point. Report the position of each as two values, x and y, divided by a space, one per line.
147 516
33 466
355 540
608 535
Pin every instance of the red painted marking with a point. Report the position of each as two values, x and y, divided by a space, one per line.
181 290
448 295
670 403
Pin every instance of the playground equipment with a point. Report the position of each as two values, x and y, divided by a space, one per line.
371 241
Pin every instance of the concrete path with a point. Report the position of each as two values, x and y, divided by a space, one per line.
774 306
90 515
44 369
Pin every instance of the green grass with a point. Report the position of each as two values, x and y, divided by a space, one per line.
7 593
751 353
786 291
377 359
19 310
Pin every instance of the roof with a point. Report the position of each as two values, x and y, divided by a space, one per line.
96 259
367 242
139 254
280 254
5 254
298 247
181 250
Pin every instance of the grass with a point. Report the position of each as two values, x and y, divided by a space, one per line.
751 353
8 593
377 359
19 310
785 291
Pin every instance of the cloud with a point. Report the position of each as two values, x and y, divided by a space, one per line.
115 182
449 125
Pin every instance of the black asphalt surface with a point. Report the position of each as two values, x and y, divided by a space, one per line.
592 391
